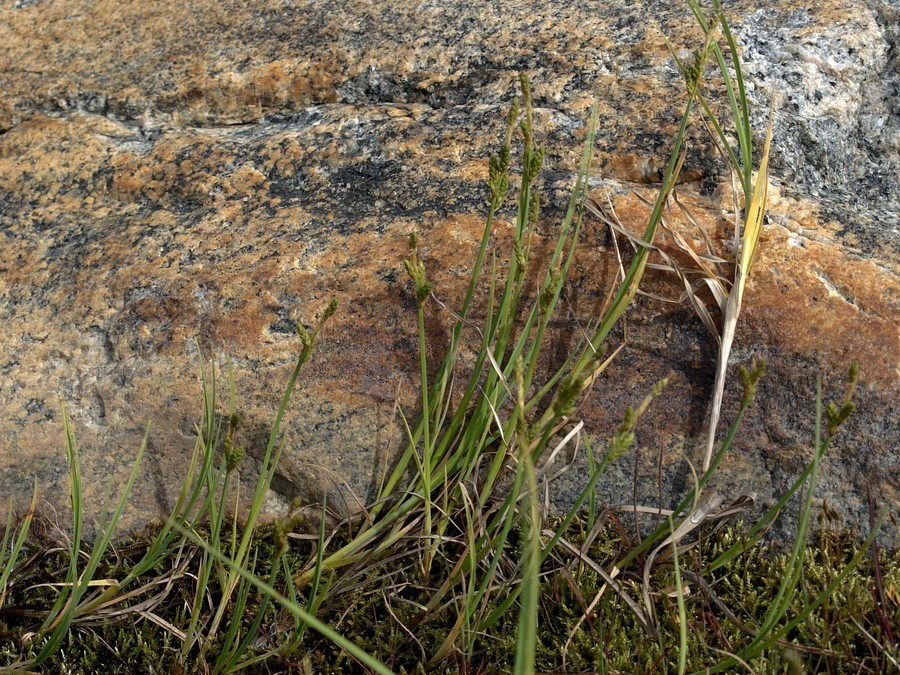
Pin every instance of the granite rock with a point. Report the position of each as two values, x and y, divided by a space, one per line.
175 175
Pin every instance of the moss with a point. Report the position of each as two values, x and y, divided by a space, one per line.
375 607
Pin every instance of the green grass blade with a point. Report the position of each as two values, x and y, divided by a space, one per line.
8 562
298 611
528 611
682 612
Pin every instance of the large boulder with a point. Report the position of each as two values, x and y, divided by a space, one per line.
177 175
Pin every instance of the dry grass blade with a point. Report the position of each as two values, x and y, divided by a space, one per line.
696 518
709 279
542 473
704 263
876 644
755 214
609 579
616 226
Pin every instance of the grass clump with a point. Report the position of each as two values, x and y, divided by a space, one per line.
454 565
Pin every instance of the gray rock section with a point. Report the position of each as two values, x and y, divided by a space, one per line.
838 112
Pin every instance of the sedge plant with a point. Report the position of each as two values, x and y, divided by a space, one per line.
472 444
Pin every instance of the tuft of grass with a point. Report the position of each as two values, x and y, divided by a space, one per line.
454 565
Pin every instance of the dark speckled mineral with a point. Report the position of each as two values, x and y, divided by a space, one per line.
174 174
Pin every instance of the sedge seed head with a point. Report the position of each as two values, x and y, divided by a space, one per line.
569 390
305 338
836 417
281 537
331 309
235 457
750 379
549 290
535 209
620 443
527 134
511 120
422 292
520 256
852 378
536 162
233 453
526 86
659 387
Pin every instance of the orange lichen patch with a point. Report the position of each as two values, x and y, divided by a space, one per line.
292 83
652 46
865 285
130 176
178 168
635 167
630 167
283 155
163 323
8 118
245 95
54 153
245 180
814 300
270 82
825 299
243 326
835 12
475 171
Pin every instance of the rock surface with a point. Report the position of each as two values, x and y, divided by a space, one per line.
175 174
